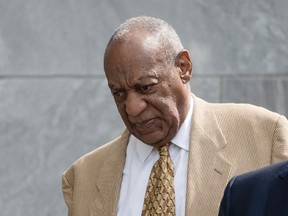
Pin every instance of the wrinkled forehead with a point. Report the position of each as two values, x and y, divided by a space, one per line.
133 49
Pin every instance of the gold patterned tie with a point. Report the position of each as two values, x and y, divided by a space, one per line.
160 193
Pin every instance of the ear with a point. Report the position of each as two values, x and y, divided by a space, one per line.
184 63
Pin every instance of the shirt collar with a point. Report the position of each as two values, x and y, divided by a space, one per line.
182 138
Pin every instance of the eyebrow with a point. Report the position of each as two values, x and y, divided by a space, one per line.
153 76
141 78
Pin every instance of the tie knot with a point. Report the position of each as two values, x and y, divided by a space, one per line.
164 150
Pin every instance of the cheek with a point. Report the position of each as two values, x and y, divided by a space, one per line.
166 102
168 110
122 113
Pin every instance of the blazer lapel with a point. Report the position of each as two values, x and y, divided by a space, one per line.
109 183
208 170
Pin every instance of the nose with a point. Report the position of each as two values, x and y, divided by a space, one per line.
134 104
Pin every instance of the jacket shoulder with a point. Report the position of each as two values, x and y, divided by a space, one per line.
249 116
94 160
237 111
244 110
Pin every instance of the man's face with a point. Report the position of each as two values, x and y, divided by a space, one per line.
150 95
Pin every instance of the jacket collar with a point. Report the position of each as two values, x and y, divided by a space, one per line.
207 167
109 181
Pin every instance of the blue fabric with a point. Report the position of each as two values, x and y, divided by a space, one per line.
263 192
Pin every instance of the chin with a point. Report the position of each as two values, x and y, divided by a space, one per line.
153 140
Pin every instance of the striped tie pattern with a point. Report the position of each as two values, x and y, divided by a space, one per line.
160 193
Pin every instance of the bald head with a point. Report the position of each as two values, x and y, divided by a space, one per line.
160 33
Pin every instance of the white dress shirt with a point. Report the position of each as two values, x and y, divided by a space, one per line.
140 159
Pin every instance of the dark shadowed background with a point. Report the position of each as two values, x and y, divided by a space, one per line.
54 101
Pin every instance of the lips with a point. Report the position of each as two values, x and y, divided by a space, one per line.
147 126
145 122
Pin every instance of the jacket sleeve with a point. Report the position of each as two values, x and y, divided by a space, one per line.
67 190
280 141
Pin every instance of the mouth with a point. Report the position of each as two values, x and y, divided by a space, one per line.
147 126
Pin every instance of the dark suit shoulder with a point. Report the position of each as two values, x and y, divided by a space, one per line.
256 193
264 175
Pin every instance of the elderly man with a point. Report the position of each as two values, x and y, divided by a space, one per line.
178 151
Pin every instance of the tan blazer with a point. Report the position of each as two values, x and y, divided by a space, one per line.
226 139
